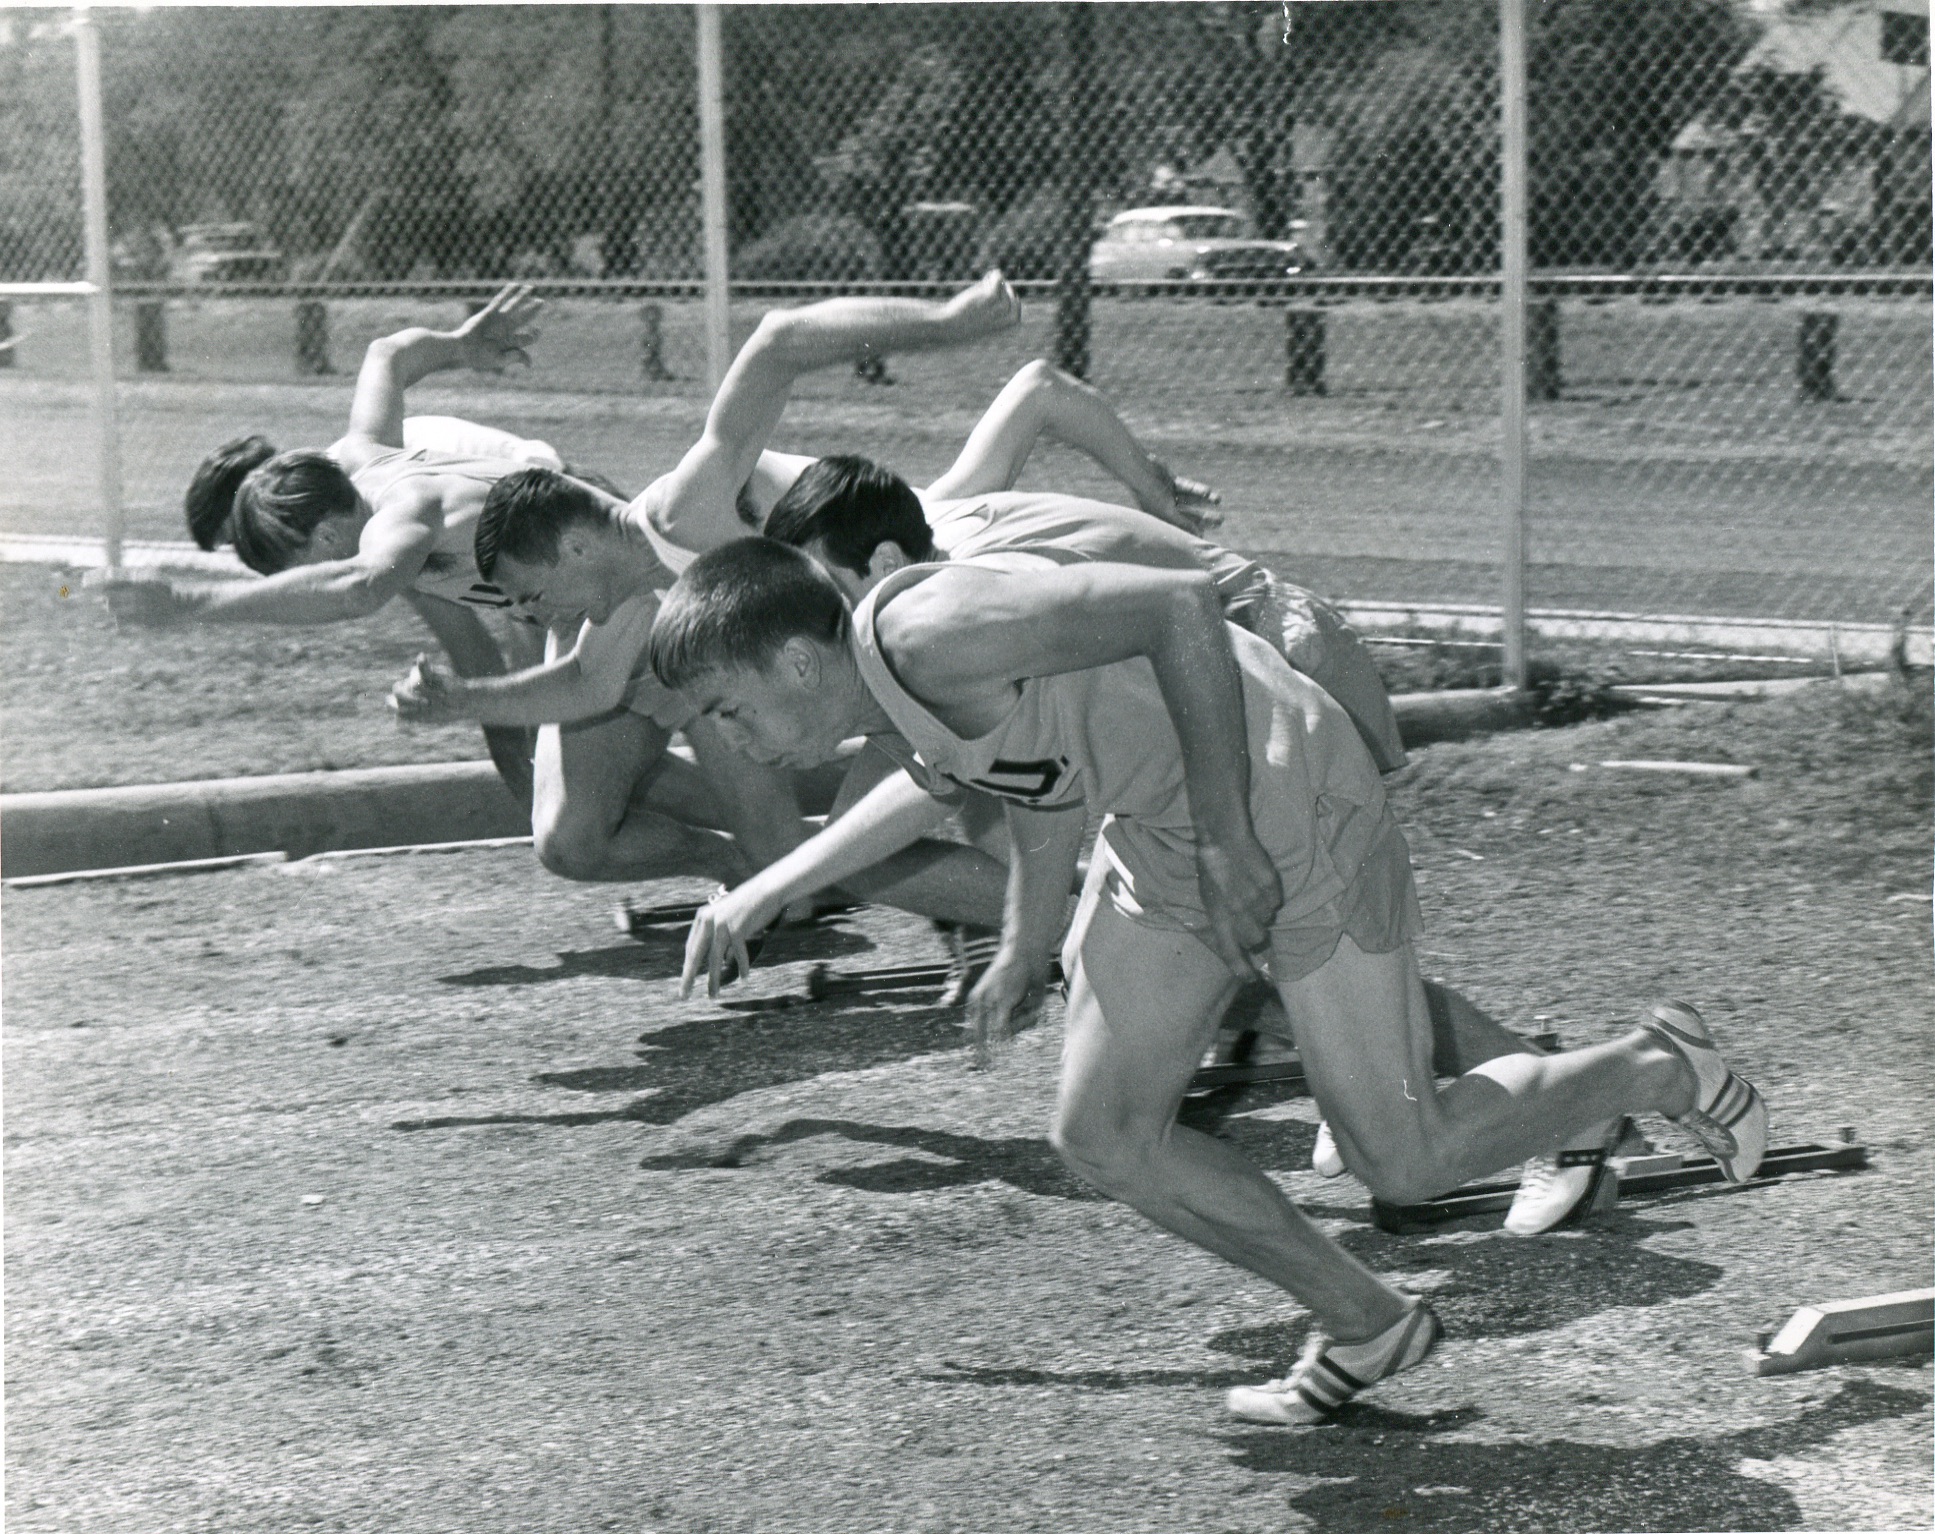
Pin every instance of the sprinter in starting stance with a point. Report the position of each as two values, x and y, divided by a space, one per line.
1246 832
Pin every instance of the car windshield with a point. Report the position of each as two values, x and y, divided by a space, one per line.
1211 226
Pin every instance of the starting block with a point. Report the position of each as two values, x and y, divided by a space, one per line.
1850 1332
1640 1175
822 980
824 983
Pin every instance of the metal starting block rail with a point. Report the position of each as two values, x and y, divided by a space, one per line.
1641 1175
633 920
1287 1073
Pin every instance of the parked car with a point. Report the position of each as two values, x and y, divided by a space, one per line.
1188 243
227 253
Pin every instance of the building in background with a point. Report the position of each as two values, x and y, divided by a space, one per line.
1819 151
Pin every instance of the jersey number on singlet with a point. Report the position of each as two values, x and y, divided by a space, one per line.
1027 781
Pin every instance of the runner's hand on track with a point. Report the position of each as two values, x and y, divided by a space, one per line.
141 601
1241 893
719 933
1001 993
498 333
424 696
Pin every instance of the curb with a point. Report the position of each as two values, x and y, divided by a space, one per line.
305 813
299 813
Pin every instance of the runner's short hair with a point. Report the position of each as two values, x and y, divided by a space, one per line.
737 605
210 502
849 506
523 515
280 504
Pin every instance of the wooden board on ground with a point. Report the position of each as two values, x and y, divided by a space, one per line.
1899 1325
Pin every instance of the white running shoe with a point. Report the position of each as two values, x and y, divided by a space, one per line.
1330 1373
1729 1116
1325 1160
1558 1189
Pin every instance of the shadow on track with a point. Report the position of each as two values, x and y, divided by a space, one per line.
660 955
1028 1165
1373 1463
692 1065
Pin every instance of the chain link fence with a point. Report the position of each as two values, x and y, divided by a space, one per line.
1269 232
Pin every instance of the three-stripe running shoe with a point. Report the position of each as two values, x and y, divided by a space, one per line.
1729 1116
1329 1373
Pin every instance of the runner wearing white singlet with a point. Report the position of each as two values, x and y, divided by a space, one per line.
1246 834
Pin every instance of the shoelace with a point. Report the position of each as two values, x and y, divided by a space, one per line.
1313 1345
1539 1174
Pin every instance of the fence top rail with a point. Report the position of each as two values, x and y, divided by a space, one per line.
46 290
1916 284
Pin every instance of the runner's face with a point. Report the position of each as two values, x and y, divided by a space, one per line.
566 592
779 716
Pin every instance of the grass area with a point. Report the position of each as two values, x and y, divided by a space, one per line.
87 706
398 1195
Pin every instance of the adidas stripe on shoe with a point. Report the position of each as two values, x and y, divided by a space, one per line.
1729 1116
1558 1190
1330 1373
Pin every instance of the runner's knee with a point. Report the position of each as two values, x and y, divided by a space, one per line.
1401 1168
1104 1151
568 845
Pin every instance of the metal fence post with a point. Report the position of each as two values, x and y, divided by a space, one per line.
651 344
1303 346
312 337
1544 373
100 302
1511 316
1072 319
712 196
151 336
1814 357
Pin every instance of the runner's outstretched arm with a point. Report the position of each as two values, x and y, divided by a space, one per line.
694 506
490 339
1041 400
895 813
590 679
390 555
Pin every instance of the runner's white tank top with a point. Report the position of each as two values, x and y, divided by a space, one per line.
1300 626
1103 737
451 570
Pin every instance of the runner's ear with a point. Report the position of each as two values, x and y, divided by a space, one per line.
888 556
799 661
